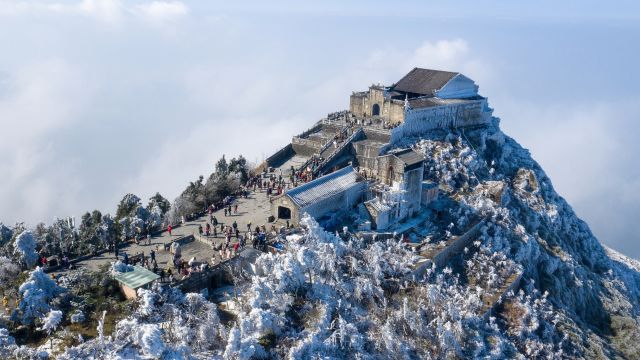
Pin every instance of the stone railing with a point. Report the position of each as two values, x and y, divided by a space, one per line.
339 149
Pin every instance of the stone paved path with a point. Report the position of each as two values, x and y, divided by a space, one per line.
254 209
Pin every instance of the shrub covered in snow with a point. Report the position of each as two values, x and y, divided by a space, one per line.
120 267
77 317
25 248
51 321
36 293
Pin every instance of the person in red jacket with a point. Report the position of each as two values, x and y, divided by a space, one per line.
169 228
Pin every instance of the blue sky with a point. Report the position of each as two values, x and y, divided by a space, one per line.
103 97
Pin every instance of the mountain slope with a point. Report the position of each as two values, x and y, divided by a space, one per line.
575 301
329 296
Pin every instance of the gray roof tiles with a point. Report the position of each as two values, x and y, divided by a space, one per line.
423 81
408 156
324 187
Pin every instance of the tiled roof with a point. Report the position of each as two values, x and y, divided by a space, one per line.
408 156
324 186
136 278
423 81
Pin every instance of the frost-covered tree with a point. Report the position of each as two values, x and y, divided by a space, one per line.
89 232
36 293
5 234
24 247
77 317
154 221
128 206
108 230
51 322
8 272
7 344
160 201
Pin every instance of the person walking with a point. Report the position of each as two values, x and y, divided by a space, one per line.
152 255
169 228
148 238
235 209
235 248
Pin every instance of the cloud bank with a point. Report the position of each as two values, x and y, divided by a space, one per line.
108 104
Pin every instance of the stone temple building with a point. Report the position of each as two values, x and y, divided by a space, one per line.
349 153
425 94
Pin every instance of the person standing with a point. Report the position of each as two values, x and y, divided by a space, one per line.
169 228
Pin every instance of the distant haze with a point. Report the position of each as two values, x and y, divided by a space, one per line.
103 97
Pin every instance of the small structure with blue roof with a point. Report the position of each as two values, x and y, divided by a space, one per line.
340 190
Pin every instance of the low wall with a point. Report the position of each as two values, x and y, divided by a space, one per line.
281 156
491 305
218 274
457 245
311 130
305 147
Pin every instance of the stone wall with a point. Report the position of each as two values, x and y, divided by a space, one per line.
456 245
390 169
281 156
420 121
305 147
413 187
285 201
429 192
361 104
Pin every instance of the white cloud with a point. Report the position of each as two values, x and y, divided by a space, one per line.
44 99
159 12
448 54
110 11
106 11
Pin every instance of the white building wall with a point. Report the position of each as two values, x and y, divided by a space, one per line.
420 121
413 189
458 88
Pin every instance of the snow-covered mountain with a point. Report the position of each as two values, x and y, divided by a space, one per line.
329 296
577 299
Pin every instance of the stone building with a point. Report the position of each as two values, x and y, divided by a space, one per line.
398 195
376 103
429 98
340 190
